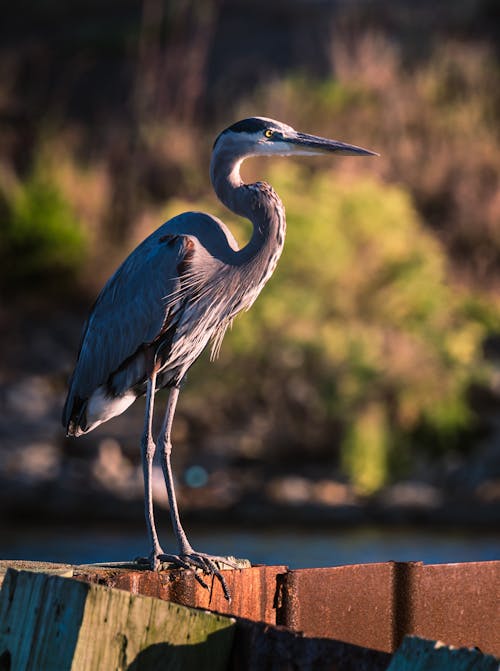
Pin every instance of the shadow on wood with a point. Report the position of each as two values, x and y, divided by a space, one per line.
166 656
57 624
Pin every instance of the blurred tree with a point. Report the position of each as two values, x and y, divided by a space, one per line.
357 341
42 241
166 95
363 354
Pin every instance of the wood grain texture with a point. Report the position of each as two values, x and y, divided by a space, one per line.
54 623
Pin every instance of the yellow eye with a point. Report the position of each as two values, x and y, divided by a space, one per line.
269 133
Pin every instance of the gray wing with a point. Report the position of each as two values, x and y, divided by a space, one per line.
131 310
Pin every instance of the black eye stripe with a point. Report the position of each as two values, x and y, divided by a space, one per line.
249 126
252 125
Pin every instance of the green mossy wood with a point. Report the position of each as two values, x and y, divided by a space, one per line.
54 623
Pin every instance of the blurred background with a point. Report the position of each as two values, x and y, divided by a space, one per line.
354 412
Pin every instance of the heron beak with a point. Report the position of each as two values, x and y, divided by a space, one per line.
311 144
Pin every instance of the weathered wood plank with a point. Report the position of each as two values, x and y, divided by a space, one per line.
65 570
57 624
419 654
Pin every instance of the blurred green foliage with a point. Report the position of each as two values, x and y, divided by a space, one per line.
41 238
435 124
364 345
358 327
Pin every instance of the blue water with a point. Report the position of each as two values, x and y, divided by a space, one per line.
296 549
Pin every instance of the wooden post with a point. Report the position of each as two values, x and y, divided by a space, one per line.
56 624
48 622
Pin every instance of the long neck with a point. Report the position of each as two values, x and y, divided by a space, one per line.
257 202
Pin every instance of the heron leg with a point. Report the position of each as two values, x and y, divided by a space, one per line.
166 448
148 451
187 557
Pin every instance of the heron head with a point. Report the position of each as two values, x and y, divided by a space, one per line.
258 136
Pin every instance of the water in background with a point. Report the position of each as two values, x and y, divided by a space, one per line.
294 548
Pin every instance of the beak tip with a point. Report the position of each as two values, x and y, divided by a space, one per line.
320 145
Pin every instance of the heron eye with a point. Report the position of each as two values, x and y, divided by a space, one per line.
268 132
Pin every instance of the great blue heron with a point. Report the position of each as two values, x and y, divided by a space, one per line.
181 287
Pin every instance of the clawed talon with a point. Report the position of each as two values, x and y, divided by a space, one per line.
191 561
207 563
153 562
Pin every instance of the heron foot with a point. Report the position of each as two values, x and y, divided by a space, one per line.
208 564
153 562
